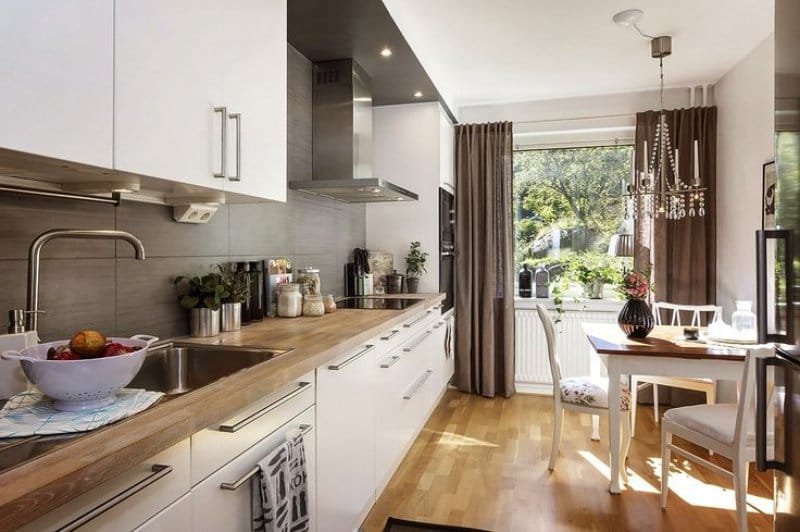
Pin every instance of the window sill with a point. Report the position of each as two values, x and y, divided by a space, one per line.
571 304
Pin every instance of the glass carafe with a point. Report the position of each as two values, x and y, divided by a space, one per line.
743 319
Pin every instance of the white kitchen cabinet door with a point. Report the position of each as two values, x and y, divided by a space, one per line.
346 440
177 517
170 62
255 91
391 435
220 509
57 64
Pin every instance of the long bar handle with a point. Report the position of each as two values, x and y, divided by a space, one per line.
236 484
157 472
391 335
223 141
762 236
412 323
418 342
418 385
337 367
238 175
391 362
761 415
299 388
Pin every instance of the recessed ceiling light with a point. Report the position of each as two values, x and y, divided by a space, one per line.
386 52
418 94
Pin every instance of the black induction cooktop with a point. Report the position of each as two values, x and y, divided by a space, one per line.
377 303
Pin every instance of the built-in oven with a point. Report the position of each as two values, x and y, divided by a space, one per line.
447 248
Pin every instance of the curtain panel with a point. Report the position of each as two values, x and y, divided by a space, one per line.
484 298
681 253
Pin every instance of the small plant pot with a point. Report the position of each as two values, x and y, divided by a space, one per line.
594 290
203 322
412 285
231 317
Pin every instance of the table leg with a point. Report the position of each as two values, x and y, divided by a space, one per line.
595 428
614 424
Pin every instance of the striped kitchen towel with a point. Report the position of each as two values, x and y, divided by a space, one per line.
280 497
32 413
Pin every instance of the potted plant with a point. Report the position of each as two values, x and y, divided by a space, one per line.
237 293
415 266
202 296
635 319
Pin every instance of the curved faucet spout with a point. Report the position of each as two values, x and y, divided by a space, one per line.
35 252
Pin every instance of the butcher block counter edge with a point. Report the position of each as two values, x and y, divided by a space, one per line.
39 485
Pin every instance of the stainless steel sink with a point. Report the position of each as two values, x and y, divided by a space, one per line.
176 369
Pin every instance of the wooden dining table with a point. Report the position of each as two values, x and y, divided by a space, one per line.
663 353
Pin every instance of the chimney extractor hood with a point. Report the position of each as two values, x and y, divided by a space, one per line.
342 138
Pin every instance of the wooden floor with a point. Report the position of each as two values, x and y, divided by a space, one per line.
483 463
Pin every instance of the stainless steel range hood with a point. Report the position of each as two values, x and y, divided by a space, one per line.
342 138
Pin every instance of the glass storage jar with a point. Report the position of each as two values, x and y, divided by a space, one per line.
308 278
330 304
290 302
743 319
313 306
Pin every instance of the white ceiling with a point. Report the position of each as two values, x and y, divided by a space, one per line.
492 51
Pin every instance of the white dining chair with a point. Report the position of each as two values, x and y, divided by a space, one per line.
587 395
700 314
726 429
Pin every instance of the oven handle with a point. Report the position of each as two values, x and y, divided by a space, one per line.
761 415
762 236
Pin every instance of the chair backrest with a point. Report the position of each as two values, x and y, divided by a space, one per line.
745 413
697 313
550 334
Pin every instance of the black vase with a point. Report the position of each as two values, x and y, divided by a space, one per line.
635 319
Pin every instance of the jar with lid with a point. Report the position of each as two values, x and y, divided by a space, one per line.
330 304
313 305
290 301
308 278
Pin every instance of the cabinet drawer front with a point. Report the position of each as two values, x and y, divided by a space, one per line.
220 443
215 507
127 501
177 517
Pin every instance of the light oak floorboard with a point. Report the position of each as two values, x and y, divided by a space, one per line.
483 463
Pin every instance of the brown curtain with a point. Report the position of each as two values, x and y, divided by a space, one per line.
484 302
682 253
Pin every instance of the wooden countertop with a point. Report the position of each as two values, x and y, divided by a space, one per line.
665 341
41 484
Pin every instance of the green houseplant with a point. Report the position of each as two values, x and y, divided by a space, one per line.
415 266
202 296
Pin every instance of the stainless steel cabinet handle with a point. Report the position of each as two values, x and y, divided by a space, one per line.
391 362
238 175
235 485
157 472
224 140
391 335
418 342
300 387
447 254
337 367
418 385
412 323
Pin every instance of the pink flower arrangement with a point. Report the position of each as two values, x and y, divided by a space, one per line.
634 286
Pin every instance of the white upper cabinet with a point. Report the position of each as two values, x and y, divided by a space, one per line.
200 93
56 86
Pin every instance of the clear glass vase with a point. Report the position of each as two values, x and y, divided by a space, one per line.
743 319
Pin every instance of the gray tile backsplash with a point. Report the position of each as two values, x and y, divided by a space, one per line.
98 284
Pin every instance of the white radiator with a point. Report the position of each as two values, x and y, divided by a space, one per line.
532 373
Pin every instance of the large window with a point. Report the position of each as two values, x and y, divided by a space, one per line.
567 207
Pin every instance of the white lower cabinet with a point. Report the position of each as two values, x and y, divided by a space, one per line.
177 517
346 440
223 500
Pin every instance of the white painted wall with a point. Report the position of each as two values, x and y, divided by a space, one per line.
409 152
745 127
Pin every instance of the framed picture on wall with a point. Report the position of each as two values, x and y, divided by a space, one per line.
768 180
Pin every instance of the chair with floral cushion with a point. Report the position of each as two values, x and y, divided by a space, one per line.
587 395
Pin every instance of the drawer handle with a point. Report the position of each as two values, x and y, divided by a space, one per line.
233 486
337 367
412 323
392 361
418 385
157 472
391 335
301 387
223 141
418 342
238 118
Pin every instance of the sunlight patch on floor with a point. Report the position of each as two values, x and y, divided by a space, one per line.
635 482
698 493
452 439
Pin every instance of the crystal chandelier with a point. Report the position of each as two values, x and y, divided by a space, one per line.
659 191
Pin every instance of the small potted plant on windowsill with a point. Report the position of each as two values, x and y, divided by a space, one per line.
202 296
237 293
415 266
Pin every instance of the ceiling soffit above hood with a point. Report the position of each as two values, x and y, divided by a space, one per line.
342 138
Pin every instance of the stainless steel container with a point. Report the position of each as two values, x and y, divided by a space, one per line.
203 322
231 317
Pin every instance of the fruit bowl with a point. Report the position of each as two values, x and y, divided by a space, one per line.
86 384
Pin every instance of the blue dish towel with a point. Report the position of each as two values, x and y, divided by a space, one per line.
32 413
280 494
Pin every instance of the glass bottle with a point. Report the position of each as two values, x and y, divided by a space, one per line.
524 281
743 319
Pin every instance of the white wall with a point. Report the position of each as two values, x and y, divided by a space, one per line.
745 127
